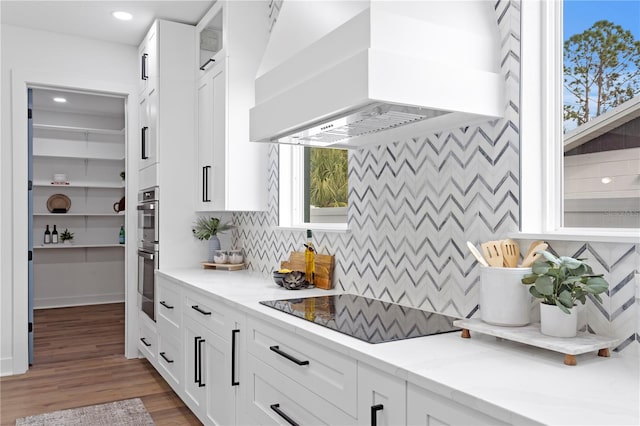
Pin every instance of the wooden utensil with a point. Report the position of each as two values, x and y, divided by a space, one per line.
531 247
476 254
493 253
510 253
533 255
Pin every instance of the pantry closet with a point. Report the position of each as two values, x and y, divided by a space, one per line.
78 187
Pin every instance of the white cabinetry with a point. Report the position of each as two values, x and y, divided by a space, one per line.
232 171
212 348
170 328
166 97
428 408
290 377
381 398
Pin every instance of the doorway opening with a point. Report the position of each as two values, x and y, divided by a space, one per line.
77 163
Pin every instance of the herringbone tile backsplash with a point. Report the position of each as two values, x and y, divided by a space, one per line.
414 204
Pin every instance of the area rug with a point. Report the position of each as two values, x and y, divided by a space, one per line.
129 412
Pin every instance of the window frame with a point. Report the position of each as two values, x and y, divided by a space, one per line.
541 197
291 193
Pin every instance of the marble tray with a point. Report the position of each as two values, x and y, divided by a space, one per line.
530 335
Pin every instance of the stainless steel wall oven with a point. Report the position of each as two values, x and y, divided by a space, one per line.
148 244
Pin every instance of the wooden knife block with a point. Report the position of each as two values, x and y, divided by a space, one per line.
324 268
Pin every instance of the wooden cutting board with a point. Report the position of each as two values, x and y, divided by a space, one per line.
324 268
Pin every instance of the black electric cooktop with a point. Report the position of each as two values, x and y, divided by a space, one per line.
371 320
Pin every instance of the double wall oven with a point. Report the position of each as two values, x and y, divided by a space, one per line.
148 244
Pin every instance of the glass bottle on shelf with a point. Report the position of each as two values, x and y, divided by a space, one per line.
47 236
54 235
121 235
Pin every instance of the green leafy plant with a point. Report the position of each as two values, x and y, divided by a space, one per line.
206 227
562 281
66 235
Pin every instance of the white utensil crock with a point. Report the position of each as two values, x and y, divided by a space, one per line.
504 300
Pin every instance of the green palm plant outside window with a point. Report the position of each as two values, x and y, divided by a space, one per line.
328 177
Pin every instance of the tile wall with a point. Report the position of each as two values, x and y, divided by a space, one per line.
414 204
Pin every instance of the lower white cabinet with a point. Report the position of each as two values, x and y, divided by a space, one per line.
427 408
381 398
212 379
147 338
170 360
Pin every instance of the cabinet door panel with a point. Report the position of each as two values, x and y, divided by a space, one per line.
380 396
205 143
428 408
218 116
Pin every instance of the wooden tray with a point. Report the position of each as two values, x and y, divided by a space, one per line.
224 266
324 268
531 335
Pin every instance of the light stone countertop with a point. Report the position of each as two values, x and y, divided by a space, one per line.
510 381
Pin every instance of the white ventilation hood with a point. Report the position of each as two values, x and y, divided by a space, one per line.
346 74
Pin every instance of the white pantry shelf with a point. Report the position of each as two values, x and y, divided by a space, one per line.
105 185
80 214
78 129
79 157
60 246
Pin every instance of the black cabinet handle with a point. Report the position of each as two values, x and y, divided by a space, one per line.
205 184
143 138
197 308
374 413
234 333
196 370
200 342
276 408
203 66
163 303
144 342
277 350
143 60
162 354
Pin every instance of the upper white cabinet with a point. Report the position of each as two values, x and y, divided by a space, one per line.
232 171
166 96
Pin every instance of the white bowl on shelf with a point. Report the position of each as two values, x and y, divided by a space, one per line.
60 177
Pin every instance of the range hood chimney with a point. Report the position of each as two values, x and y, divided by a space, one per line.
346 74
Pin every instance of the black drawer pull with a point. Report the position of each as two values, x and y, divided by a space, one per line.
162 354
277 350
276 408
203 66
197 308
374 413
166 305
143 340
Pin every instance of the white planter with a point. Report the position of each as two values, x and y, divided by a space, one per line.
504 300
554 322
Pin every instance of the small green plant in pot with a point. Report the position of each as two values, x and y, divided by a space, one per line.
66 236
207 228
560 282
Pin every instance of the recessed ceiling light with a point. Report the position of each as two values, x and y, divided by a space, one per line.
606 180
61 100
121 15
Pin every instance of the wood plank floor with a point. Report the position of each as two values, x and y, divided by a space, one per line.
79 361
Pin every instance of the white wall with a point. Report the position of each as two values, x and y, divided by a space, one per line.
40 57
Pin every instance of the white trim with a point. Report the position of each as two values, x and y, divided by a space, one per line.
93 299
323 227
21 79
541 171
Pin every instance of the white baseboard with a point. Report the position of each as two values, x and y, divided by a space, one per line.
62 302
6 367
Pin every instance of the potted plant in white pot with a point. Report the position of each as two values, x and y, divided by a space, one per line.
560 282
66 237
207 228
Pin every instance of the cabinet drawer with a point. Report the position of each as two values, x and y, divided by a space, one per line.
169 303
327 373
271 396
170 361
214 316
148 339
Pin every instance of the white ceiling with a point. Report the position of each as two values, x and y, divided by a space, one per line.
78 103
93 19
